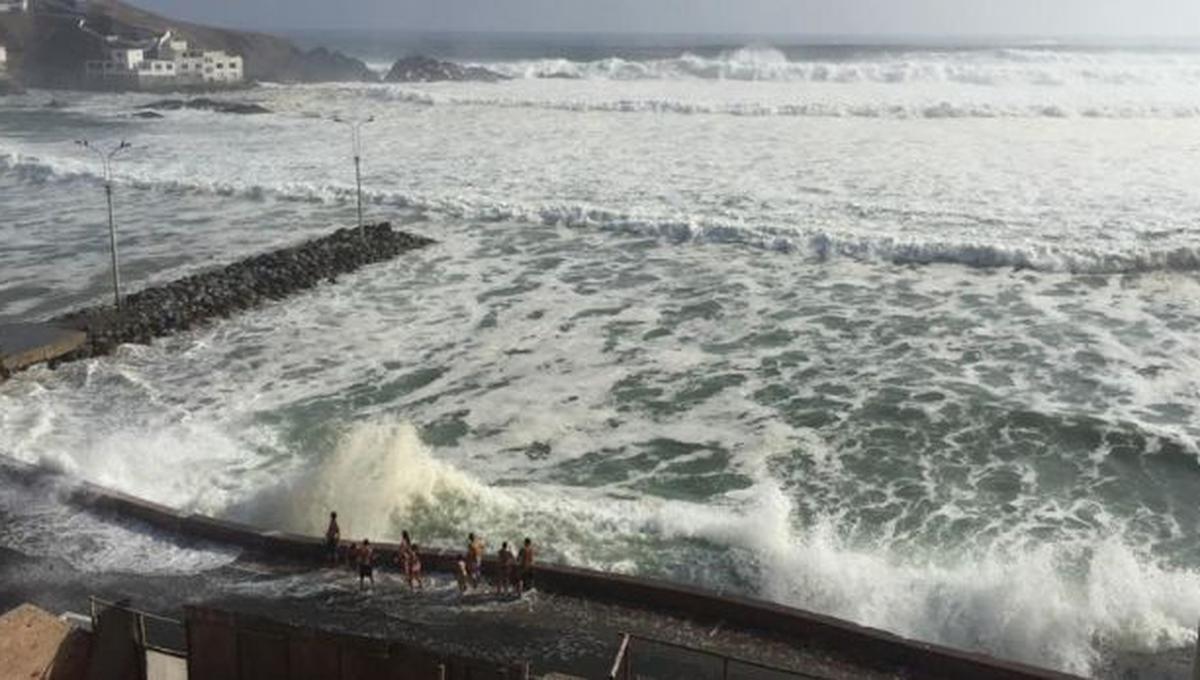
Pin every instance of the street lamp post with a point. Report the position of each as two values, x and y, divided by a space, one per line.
106 159
356 138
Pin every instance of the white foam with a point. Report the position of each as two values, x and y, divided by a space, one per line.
1058 606
800 106
1004 67
814 244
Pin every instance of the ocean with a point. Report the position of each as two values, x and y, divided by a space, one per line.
905 334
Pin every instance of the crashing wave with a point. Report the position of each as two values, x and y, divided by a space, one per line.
816 244
812 109
1041 67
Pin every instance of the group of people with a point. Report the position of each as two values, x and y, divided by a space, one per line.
514 572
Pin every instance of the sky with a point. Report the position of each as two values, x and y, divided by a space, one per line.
1058 18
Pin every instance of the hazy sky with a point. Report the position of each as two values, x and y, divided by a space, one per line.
838 17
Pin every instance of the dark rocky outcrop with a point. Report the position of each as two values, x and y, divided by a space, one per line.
191 301
426 70
205 104
148 115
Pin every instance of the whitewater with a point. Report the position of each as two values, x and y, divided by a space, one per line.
905 335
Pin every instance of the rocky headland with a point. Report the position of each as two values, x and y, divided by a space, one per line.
193 300
48 48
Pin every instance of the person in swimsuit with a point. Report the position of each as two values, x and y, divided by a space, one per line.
504 568
474 560
366 563
332 535
414 568
404 554
460 573
525 565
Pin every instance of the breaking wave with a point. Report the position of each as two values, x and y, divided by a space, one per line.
1040 67
1058 605
818 244
811 109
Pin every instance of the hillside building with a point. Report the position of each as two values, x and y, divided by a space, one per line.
171 62
14 6
3 60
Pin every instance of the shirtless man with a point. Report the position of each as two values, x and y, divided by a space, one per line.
366 563
504 569
332 535
474 560
525 567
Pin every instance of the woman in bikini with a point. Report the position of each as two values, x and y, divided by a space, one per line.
414 568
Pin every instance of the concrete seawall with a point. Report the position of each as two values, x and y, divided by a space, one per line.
191 301
866 646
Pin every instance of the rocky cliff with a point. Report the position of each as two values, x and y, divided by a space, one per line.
49 47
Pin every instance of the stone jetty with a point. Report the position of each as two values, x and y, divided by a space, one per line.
193 300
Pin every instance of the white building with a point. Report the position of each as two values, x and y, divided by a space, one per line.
14 6
150 70
171 62
3 59
209 66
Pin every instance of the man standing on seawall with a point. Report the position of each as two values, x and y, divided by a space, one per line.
332 535
525 564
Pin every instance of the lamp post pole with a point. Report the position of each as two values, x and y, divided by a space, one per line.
106 159
356 126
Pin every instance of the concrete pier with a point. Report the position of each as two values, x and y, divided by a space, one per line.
24 344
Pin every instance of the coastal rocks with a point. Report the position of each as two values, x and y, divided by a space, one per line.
205 104
425 70
191 301
148 115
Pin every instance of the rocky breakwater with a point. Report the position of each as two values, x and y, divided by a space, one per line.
204 104
191 301
426 70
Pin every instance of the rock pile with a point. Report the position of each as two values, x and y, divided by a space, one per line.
205 104
191 301
425 70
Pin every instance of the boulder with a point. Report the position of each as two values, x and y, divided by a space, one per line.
420 69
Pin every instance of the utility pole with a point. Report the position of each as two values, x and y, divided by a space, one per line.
356 126
106 161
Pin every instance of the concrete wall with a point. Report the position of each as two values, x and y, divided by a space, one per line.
228 646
